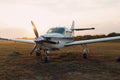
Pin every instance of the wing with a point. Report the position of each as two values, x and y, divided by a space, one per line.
92 41
19 40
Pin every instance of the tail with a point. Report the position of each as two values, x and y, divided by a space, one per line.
72 28
78 29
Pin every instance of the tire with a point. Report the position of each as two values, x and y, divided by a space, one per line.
38 54
85 56
46 60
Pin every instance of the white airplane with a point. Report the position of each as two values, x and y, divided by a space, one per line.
58 37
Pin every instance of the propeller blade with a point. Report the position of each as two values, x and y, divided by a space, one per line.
34 29
35 46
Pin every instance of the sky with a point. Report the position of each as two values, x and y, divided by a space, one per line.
16 15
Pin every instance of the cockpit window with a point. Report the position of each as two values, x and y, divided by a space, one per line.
56 30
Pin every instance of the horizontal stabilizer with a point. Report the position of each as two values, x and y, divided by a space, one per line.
81 29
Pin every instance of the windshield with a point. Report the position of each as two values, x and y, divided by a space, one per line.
56 30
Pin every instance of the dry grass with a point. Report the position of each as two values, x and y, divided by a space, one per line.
66 64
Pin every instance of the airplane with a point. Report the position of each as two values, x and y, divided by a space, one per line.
58 37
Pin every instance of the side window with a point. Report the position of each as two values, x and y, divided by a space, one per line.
68 33
56 30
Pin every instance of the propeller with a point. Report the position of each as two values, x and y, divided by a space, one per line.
38 39
37 35
34 29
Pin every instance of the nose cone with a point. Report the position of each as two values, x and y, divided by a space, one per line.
39 39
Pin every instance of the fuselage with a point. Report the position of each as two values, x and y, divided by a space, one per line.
59 35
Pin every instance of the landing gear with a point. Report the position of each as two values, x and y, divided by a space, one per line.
84 51
85 56
46 60
46 56
38 54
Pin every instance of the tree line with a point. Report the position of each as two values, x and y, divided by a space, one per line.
85 37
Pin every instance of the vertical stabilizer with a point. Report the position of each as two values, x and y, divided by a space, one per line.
72 28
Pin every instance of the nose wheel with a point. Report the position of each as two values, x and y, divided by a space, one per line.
84 51
46 60
38 54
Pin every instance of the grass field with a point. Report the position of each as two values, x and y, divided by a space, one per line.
66 64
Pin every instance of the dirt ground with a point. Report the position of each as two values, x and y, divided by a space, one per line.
66 64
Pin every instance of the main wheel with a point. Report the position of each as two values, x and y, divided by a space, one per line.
85 56
46 60
38 54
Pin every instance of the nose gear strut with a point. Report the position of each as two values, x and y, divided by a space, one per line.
84 51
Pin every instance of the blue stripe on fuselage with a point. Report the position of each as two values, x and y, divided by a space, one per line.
62 38
68 38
